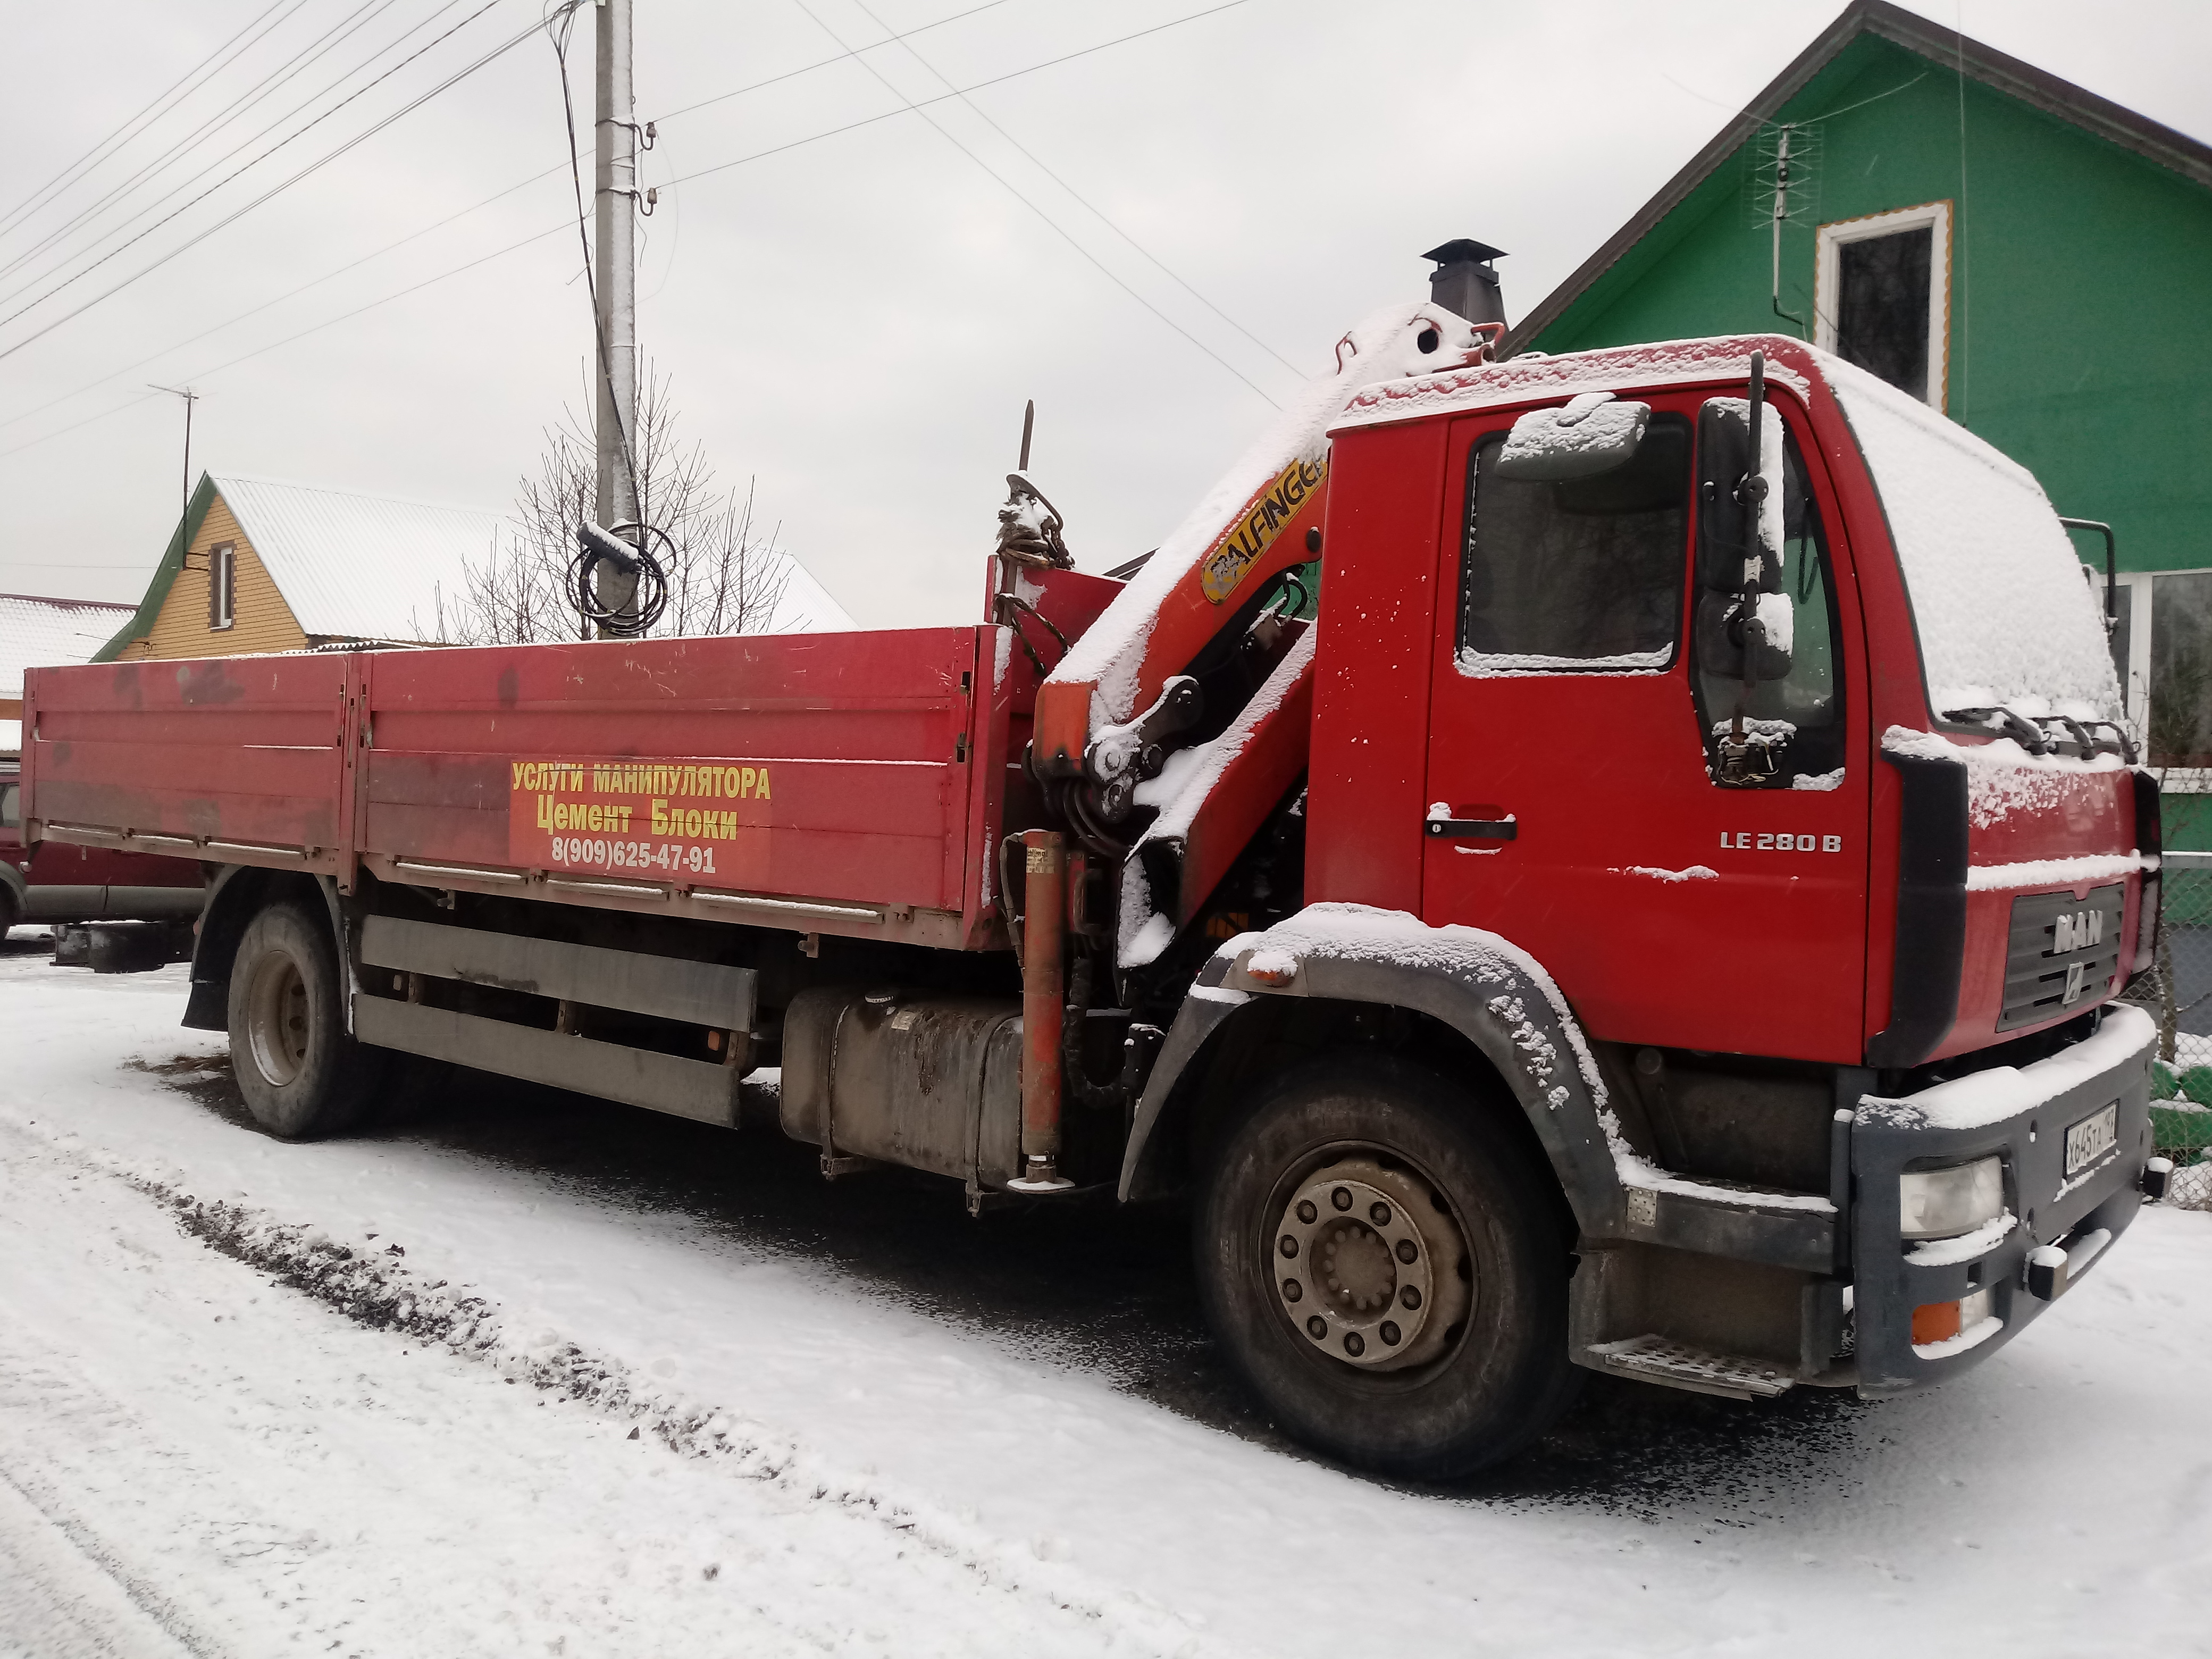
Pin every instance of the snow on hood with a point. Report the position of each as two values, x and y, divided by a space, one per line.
2002 777
1385 347
2003 614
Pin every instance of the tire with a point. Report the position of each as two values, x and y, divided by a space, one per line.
303 1077
1445 1273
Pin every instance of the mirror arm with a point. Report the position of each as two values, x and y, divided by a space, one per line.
2112 567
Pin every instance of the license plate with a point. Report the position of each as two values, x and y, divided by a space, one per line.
2092 1138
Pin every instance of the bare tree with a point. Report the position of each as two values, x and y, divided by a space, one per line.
725 576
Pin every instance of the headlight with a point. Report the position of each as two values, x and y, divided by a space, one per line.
1944 1203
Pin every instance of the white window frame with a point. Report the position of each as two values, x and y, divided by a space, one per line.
223 582
2135 589
1827 277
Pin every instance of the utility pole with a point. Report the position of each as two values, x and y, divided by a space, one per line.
615 208
190 397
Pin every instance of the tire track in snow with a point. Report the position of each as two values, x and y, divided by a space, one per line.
63 1594
374 1289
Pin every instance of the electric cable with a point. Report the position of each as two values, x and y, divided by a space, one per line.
1007 185
275 190
177 150
316 328
294 292
1095 212
152 111
538 236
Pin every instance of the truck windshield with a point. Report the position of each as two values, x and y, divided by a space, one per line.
1585 575
2003 615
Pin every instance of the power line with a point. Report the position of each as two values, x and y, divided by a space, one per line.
719 167
177 151
1094 213
153 111
915 105
311 167
237 173
289 293
332 322
538 236
825 63
1052 224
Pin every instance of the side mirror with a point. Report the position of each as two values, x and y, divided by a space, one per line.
1590 435
1743 621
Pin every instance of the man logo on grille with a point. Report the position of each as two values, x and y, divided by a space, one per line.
2076 972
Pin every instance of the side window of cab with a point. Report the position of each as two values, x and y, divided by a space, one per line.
1767 676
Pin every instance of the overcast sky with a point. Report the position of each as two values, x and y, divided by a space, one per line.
855 321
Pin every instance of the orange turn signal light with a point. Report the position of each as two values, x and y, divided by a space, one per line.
1935 1322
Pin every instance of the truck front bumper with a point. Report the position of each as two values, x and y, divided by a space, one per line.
2022 1115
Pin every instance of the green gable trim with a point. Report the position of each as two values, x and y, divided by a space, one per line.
165 575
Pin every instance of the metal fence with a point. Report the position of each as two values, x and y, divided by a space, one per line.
2178 994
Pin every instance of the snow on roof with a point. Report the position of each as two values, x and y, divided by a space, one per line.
356 567
359 567
806 606
39 633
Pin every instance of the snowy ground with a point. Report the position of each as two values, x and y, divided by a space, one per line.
538 1375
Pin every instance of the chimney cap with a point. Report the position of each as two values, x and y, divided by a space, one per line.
1464 248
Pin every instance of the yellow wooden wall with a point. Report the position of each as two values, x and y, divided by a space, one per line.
261 619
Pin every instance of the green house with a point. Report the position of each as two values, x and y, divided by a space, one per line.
2033 260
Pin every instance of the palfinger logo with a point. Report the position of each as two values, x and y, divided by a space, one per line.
1272 507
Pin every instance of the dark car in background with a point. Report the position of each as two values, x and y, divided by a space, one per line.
60 883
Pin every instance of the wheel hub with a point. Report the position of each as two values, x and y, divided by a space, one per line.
277 1018
1368 1265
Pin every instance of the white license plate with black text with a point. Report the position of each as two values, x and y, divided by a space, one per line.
2092 1138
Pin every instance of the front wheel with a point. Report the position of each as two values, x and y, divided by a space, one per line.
303 1076
1386 1264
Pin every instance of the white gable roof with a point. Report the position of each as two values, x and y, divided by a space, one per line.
357 567
36 633
360 566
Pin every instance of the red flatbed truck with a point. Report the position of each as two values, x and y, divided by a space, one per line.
1662 917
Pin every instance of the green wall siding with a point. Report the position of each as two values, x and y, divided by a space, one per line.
2081 314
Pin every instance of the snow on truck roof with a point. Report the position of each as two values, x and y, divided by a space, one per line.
1532 375
1998 600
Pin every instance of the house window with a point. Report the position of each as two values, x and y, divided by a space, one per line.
222 586
1881 296
2163 651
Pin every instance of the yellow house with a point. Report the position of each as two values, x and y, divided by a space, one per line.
258 565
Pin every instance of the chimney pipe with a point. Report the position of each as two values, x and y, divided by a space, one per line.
1464 282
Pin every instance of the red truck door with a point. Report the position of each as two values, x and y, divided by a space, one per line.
1571 772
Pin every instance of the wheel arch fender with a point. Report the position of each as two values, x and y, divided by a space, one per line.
1472 984
237 893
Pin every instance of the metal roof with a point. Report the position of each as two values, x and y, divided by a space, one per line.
372 568
2036 88
38 633
361 566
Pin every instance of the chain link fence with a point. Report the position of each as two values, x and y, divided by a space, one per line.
2178 992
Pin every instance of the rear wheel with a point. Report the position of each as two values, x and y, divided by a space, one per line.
1386 1265
302 1074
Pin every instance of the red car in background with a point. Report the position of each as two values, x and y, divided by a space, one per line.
58 883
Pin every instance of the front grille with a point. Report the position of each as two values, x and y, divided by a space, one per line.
2062 955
